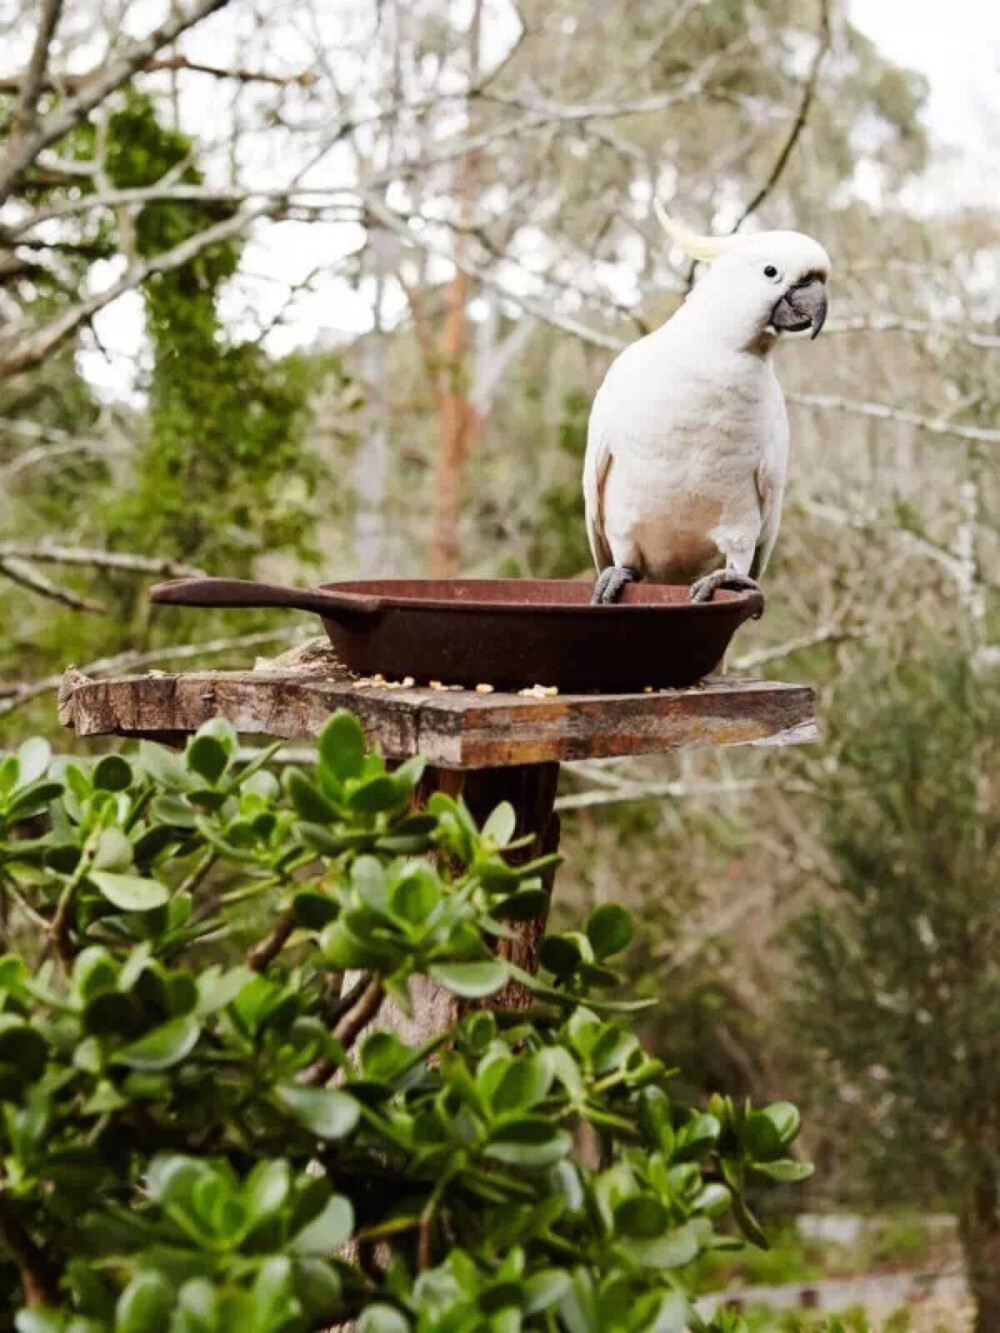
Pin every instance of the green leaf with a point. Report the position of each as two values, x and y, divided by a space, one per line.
382 1055
165 767
222 730
671 1250
379 795
313 910
318 1287
760 1137
747 1223
786 1120
94 971
217 989
173 811
207 757
40 1321
341 746
22 1048
642 1216
328 1232
28 801
112 773
309 802
164 1047
132 893
325 1112
544 1289
524 1083
145 1305
267 1187
114 851
559 955
381 1318
273 1299
531 1141
525 905
609 929
784 1170
662 1312
473 981
414 898
713 1200
500 826
33 759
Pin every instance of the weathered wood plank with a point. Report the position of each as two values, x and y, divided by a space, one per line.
457 730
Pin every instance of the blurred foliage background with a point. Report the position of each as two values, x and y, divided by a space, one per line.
326 289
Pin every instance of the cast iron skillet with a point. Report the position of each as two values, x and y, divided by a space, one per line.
506 632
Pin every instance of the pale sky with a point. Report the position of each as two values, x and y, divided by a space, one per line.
956 43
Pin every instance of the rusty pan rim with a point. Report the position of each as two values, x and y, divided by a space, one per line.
726 601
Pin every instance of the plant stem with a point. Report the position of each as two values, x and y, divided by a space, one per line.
199 872
349 1028
267 950
37 1277
425 1241
64 912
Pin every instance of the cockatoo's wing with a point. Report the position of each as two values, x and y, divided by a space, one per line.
770 479
596 467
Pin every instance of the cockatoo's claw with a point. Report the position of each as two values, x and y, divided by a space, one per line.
704 589
611 584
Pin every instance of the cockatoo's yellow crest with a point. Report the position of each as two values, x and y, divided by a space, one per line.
705 248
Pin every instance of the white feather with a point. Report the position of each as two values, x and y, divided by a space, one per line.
687 448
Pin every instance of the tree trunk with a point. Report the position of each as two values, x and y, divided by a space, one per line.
458 421
979 1227
457 425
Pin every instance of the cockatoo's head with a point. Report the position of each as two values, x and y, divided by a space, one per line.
764 284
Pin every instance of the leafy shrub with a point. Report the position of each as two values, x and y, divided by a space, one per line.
201 1133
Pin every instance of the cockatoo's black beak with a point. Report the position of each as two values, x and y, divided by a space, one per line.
802 307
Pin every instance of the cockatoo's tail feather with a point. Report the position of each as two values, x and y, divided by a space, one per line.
705 248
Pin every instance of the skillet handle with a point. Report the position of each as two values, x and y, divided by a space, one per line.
246 592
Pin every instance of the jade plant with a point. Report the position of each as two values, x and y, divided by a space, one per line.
203 1128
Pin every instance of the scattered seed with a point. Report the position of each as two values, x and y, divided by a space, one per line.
483 688
436 685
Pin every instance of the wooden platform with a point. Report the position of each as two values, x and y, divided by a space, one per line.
453 729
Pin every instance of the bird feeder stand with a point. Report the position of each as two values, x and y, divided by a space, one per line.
486 747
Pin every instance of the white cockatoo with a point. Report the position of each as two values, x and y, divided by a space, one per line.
687 448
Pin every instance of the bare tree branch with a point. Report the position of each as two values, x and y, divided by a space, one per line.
395 223
35 582
46 453
23 115
170 192
21 349
883 412
126 561
799 124
919 327
24 144
661 791
872 523
835 632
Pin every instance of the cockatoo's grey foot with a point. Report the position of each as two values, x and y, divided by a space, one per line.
611 584
703 590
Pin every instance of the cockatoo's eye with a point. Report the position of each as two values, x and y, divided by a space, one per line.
770 271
